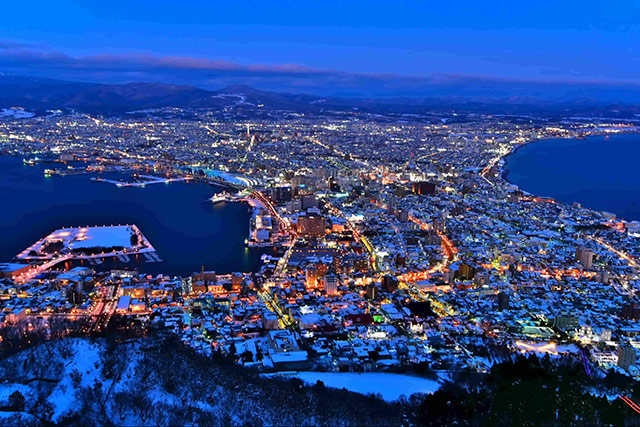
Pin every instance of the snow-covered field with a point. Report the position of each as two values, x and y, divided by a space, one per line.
106 237
390 386
542 348
15 113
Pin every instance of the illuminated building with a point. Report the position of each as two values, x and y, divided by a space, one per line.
123 304
331 284
423 187
565 323
11 270
439 225
236 281
311 225
466 271
311 277
626 356
371 291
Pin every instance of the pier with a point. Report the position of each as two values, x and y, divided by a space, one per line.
149 180
99 242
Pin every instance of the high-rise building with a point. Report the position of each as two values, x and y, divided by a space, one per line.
281 194
308 201
331 284
439 225
371 291
432 238
566 322
585 257
626 356
423 187
481 278
630 311
503 301
402 215
311 224
466 271
236 281
389 283
311 276
297 181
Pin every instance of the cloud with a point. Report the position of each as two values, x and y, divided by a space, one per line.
9 44
38 60
19 54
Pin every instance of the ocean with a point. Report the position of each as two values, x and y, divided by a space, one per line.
599 172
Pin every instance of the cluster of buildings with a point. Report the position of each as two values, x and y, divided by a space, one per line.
399 243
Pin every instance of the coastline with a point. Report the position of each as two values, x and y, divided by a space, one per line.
505 170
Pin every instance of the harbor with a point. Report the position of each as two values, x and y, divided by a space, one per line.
183 225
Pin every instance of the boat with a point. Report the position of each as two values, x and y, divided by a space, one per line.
31 162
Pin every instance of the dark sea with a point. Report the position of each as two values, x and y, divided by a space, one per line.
185 228
599 172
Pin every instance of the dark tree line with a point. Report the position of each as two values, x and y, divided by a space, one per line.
534 392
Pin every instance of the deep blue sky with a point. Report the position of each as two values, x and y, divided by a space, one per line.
117 40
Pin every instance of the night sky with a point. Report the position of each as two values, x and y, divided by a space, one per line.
321 44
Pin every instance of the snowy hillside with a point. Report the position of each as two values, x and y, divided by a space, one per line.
158 381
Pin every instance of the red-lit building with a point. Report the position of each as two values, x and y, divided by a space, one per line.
423 187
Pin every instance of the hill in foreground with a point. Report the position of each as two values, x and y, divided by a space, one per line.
158 381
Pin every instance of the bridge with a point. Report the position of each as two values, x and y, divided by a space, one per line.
37 269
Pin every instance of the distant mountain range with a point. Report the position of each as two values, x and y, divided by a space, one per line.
35 93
